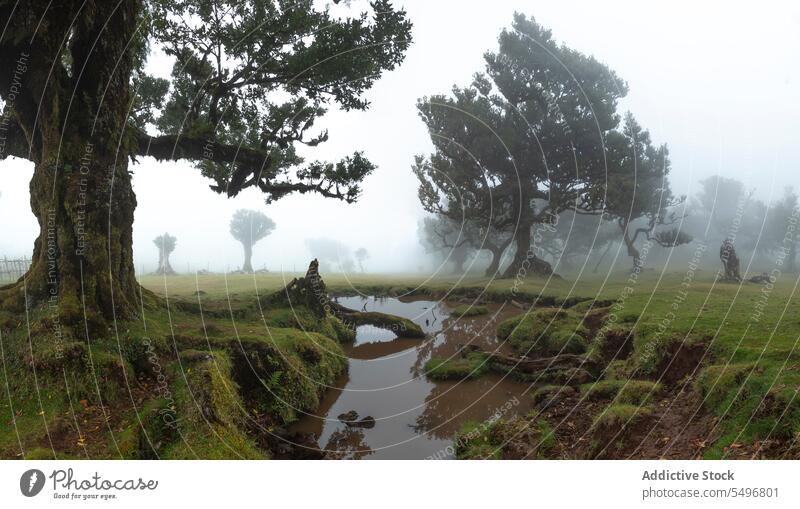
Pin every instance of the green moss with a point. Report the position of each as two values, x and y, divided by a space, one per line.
720 383
505 438
618 415
604 389
402 327
545 332
678 351
342 332
620 369
211 413
287 370
584 306
473 365
42 453
152 427
638 392
624 392
466 310
550 394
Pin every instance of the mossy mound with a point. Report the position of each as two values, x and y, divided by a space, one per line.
545 332
583 306
549 395
212 412
759 400
302 318
282 371
514 438
717 382
627 392
618 416
170 391
472 365
603 389
467 310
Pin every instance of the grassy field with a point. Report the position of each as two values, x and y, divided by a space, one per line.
749 333
749 316
102 398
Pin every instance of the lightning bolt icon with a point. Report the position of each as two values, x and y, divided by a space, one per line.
32 482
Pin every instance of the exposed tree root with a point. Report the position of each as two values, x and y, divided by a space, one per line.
531 366
402 327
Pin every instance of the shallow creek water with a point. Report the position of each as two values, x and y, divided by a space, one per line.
415 417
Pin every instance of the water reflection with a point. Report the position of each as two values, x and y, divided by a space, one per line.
415 417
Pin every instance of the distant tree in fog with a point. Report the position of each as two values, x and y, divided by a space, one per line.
722 202
574 237
332 255
248 227
781 231
726 209
361 256
166 245
444 238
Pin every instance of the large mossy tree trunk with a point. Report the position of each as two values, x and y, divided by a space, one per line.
81 194
525 261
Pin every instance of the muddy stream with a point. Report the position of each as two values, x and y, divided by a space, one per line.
415 417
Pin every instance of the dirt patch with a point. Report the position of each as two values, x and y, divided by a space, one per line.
674 426
681 429
615 344
679 360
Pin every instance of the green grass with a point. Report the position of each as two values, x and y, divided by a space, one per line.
617 415
472 365
749 380
491 440
545 332
467 310
210 378
731 321
627 392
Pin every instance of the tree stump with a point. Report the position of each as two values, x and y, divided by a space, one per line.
730 262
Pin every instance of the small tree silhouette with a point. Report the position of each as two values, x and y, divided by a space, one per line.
248 227
361 255
166 245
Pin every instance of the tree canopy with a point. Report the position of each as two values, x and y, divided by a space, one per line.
249 80
524 141
638 189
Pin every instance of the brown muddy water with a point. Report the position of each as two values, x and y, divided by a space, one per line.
415 417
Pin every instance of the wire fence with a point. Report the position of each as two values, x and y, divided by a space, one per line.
13 269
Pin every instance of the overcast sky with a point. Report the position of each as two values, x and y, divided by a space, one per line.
717 81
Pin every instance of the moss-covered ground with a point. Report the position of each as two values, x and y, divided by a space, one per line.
179 383
198 379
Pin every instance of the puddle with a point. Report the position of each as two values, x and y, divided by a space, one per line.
415 417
